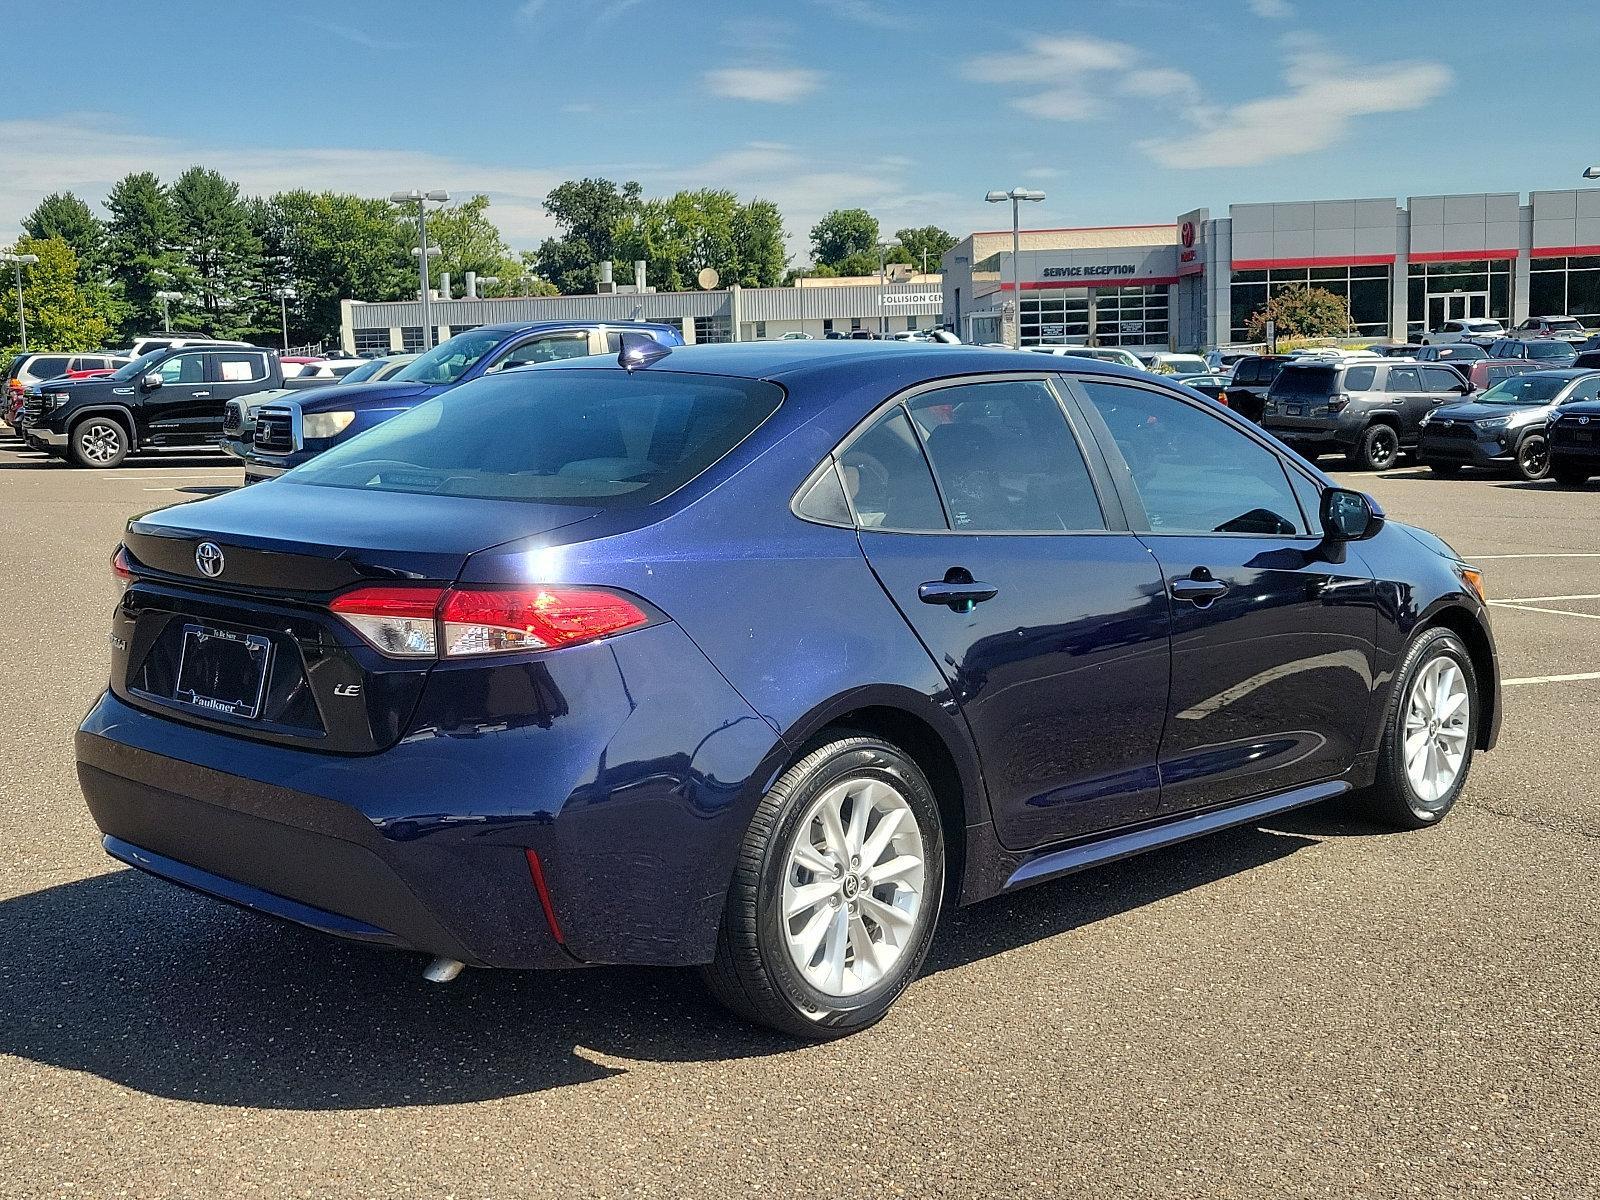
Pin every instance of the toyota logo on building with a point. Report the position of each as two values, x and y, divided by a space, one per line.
1187 234
208 557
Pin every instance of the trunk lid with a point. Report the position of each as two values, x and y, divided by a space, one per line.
227 624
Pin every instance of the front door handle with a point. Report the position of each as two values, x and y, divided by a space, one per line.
202 395
1198 587
958 591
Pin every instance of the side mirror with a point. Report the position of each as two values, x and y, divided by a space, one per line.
1349 516
150 382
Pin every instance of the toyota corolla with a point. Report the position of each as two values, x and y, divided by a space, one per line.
755 657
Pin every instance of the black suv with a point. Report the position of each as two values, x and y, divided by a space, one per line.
1547 352
1246 392
172 396
1369 410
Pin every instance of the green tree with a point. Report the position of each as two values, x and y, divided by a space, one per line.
62 215
329 246
926 244
758 242
1302 312
222 266
693 229
141 256
587 213
62 314
842 233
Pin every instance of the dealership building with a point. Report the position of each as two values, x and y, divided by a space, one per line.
1196 281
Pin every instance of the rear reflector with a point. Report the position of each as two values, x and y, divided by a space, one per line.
536 869
422 622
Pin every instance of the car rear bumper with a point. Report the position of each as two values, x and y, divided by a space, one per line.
629 766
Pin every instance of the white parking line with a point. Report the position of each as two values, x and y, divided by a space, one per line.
1544 599
1554 612
1551 679
1562 554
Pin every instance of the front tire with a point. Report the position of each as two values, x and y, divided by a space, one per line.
1378 449
1568 474
1445 470
836 892
98 442
1533 457
1428 735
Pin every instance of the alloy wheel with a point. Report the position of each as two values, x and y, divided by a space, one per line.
853 886
1383 450
100 443
1437 722
1533 456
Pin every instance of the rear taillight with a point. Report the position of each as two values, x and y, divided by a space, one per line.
121 569
1337 403
464 622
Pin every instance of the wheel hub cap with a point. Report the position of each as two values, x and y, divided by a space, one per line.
852 888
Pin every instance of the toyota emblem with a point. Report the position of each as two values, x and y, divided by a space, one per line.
1583 420
208 557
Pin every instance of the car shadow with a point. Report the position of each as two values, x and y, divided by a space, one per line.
180 996
37 460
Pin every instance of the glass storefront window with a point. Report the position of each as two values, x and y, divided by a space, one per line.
1122 316
1565 287
1364 288
1441 291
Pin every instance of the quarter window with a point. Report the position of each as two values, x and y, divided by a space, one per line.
1005 459
1193 472
886 478
1359 379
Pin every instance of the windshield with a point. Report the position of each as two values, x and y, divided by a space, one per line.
1525 390
450 360
1482 326
141 365
365 371
598 437
1550 350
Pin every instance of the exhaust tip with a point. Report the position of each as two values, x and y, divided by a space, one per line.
442 970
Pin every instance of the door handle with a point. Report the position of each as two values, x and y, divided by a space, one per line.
202 395
1198 587
957 591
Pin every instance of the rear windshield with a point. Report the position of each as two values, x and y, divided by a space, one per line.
1549 350
1482 326
1307 381
1565 323
607 438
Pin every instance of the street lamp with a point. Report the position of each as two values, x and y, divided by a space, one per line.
284 295
18 261
883 269
1592 173
1015 195
421 199
166 314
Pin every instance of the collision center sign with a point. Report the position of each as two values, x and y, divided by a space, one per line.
903 299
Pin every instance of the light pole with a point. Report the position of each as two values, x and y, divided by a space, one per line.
1592 172
18 261
1015 195
422 250
284 295
166 314
883 270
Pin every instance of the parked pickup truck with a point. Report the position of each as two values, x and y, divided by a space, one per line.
170 396
288 432
239 418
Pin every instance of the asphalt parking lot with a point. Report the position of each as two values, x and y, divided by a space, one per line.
1308 1008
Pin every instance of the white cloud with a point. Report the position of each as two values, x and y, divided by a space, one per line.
1159 82
1271 10
1047 58
862 12
1324 97
767 85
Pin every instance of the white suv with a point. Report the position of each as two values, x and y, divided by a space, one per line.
1469 330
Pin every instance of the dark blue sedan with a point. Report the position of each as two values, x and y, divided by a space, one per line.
754 657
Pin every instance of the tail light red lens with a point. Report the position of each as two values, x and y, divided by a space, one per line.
464 622
121 569
1338 403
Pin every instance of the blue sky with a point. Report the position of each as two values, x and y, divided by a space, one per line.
1122 111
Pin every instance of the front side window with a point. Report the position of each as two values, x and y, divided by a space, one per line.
1441 379
183 368
608 439
1005 458
572 344
1195 473
886 478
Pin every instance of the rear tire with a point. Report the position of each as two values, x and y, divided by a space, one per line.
1378 449
1428 734
821 951
1568 474
1533 457
98 442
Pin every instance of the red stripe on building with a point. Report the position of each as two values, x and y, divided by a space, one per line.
1348 260
1564 251
1097 281
1461 255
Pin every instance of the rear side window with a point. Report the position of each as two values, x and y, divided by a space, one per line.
1248 371
245 367
1194 472
886 478
1404 379
608 438
1005 459
1359 379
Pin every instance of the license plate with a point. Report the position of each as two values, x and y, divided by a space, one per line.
1295 410
1582 435
224 672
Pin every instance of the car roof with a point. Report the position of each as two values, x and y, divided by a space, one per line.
509 327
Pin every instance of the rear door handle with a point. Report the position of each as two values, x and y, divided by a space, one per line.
958 595
1198 587
202 395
